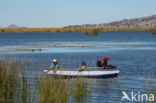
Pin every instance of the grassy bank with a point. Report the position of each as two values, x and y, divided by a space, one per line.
15 86
86 30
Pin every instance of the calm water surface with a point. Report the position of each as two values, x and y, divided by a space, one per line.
134 53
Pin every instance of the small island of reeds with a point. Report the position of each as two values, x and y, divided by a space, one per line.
154 32
92 32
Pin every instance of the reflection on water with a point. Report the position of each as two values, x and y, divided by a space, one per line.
102 87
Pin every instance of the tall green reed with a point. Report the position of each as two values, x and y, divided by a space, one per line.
13 82
15 86
8 80
81 88
52 90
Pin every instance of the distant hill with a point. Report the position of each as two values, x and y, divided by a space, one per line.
12 26
149 21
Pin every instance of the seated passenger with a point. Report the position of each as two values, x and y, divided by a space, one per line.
99 63
54 65
83 66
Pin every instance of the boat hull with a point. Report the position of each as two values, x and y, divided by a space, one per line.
104 73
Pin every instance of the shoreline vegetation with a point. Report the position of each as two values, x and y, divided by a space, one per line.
154 32
87 31
16 86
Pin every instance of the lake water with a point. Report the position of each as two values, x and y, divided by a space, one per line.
133 52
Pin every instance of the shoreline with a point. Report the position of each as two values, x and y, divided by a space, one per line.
44 30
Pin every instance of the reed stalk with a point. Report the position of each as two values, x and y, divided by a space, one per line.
8 80
13 82
81 88
15 86
53 90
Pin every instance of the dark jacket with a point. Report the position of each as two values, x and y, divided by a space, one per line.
99 63
105 62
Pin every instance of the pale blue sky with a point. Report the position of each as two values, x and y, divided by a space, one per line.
58 13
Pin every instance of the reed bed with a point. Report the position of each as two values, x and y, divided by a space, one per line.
154 32
81 89
8 81
13 83
15 86
92 32
59 90
86 30
52 90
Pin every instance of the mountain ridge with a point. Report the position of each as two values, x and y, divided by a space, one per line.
148 21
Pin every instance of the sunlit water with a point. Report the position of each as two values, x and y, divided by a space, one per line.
134 53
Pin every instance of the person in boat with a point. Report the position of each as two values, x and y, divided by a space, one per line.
99 63
83 66
54 65
105 63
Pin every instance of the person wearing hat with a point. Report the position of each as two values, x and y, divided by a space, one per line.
54 65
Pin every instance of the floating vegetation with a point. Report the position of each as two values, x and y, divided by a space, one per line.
20 50
33 50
